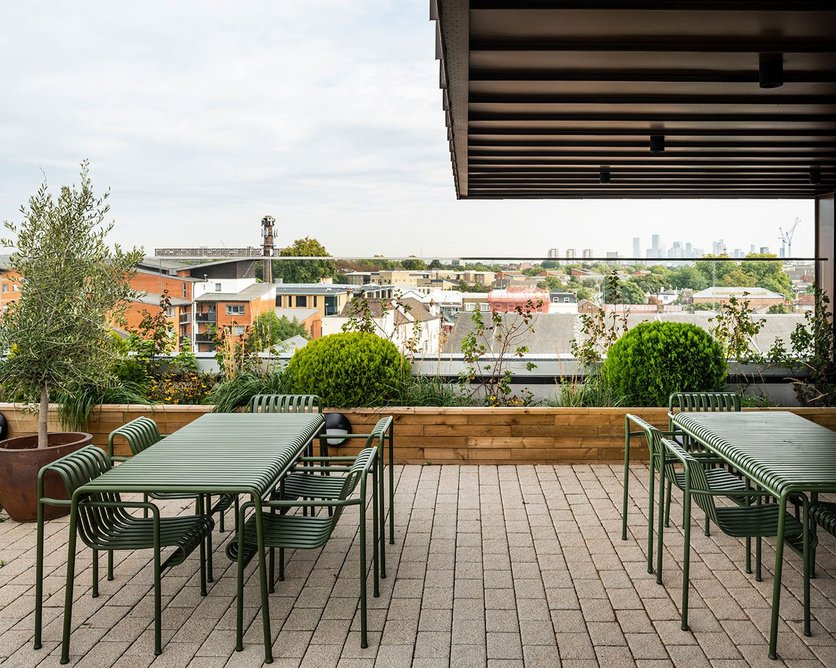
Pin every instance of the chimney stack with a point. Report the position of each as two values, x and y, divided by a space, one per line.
267 224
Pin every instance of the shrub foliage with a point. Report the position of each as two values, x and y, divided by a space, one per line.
656 359
347 370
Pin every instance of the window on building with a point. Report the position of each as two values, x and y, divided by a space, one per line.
185 291
238 330
5 287
470 306
565 300
301 301
484 307
217 287
169 312
315 301
235 309
15 287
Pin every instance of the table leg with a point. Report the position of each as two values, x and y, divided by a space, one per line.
262 576
776 586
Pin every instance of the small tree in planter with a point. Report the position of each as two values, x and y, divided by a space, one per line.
71 286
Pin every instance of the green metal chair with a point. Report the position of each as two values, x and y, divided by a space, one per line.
306 482
140 434
719 480
743 521
283 530
646 430
386 426
285 403
701 402
104 524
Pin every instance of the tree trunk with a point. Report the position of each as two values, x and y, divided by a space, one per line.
43 416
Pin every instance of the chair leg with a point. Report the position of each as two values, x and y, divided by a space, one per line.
758 558
391 484
668 505
95 574
651 494
39 577
272 567
364 641
110 565
68 593
626 482
375 531
145 510
281 564
661 528
158 604
686 559
202 568
381 499
707 529
806 557
239 607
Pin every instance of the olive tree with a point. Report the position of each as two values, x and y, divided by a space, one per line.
72 286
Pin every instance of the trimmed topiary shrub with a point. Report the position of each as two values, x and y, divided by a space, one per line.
656 359
348 370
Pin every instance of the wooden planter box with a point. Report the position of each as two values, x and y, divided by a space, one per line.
444 435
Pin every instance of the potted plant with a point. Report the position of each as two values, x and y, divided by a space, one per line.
55 336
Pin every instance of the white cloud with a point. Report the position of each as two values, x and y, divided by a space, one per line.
203 116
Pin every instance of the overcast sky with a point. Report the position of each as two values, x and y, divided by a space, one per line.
203 116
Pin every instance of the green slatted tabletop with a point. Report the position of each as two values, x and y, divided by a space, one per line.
219 453
780 451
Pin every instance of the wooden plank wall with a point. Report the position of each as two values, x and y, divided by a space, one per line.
446 435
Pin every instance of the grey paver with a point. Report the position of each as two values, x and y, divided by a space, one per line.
524 568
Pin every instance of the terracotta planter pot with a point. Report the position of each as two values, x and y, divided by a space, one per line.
20 461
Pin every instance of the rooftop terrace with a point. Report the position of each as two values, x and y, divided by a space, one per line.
501 567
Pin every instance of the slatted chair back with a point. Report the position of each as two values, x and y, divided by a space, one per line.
140 434
358 469
380 431
285 403
77 469
704 402
695 477
651 433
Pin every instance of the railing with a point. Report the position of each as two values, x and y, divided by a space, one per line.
185 318
204 338
206 317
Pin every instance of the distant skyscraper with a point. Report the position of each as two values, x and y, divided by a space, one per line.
570 253
587 253
738 253
689 249
718 247
764 250
612 255
553 253
637 247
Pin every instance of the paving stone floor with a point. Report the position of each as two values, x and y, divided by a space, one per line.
502 567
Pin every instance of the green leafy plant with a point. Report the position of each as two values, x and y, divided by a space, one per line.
76 407
268 330
432 391
73 284
655 359
236 393
811 350
348 369
488 350
591 392
735 328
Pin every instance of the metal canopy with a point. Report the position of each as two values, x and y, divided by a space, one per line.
551 99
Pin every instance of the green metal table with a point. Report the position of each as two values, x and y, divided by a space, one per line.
219 453
782 453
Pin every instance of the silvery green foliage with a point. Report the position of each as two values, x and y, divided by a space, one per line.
73 283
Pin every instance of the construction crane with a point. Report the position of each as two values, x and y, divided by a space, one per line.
786 239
